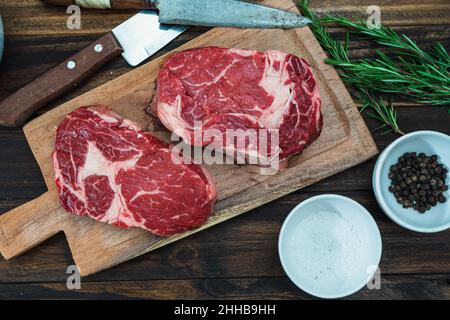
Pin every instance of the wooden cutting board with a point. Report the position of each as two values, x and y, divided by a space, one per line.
95 246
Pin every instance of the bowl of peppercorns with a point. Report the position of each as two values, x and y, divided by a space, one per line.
411 179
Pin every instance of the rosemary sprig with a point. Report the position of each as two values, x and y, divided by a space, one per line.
380 112
418 75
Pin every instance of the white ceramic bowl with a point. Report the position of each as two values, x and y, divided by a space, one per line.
429 142
330 246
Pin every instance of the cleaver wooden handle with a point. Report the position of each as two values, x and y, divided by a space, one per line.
18 107
30 224
107 4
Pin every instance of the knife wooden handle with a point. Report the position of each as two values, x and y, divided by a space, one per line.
107 4
15 109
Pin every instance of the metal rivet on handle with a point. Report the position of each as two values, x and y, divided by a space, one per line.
98 48
71 65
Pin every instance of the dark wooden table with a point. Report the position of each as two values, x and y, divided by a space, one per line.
238 258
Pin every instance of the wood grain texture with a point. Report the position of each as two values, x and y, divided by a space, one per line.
345 141
21 179
34 17
115 4
21 231
393 287
219 251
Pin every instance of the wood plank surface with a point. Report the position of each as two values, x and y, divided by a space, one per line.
36 18
394 287
413 265
344 142
218 252
21 53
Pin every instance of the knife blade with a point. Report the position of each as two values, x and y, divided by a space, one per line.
142 36
136 39
227 13
212 13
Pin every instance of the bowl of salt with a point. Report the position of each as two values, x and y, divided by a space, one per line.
330 246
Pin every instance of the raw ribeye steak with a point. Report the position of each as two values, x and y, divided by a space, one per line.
110 170
227 89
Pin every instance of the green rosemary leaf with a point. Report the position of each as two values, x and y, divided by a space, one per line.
407 70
